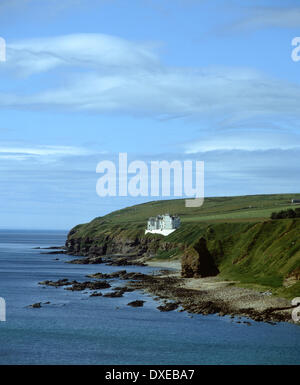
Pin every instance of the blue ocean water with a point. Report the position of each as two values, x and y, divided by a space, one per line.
78 329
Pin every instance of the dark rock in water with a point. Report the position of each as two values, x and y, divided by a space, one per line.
87 261
51 248
99 276
80 286
96 294
198 262
37 305
119 262
54 252
116 274
95 260
170 306
81 261
136 303
135 276
122 274
208 307
129 289
47 303
124 289
60 282
114 294
165 272
77 286
124 261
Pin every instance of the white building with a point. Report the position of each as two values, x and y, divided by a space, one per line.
163 224
297 201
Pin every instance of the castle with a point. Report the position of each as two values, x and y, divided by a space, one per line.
163 224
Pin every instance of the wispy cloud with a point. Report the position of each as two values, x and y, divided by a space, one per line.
109 74
267 17
17 8
46 152
246 140
64 192
101 52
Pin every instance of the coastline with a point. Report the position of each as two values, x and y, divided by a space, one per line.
106 327
213 295
210 295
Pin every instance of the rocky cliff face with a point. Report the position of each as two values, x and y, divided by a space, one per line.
197 262
109 245
267 252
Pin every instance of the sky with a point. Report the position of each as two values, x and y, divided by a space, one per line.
84 80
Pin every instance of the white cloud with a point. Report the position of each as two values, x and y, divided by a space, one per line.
269 17
19 152
249 140
114 75
97 51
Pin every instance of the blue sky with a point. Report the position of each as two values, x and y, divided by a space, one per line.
206 80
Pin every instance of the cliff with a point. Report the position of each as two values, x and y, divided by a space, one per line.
197 261
253 250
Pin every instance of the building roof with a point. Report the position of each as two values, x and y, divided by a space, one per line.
164 215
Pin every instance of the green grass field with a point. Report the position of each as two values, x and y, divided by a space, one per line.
258 207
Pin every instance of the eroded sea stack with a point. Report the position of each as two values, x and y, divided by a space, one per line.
197 262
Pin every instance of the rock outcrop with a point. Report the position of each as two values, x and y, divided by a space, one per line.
170 306
197 261
136 303
113 245
37 305
89 285
87 261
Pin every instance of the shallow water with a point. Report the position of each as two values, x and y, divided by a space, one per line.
77 329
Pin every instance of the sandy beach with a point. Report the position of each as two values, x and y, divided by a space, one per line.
214 295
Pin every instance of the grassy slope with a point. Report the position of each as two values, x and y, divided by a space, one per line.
246 245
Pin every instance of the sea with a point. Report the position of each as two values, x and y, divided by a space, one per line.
78 329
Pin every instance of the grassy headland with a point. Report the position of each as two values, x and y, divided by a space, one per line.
247 246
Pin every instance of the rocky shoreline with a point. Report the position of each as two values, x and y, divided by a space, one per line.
176 295
194 295
181 289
